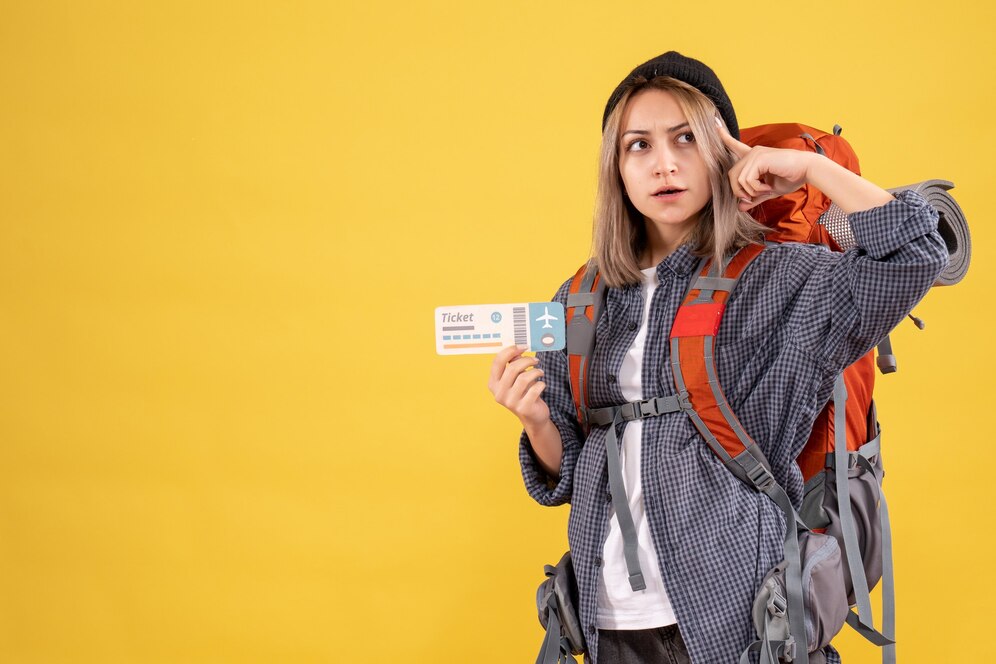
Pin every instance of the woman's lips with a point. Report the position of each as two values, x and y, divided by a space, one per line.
668 197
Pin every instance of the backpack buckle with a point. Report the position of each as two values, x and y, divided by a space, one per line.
649 408
683 401
777 604
760 477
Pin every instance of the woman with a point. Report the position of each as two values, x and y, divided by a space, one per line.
797 318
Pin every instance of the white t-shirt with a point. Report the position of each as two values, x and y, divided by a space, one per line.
619 606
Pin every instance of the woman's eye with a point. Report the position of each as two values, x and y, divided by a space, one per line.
638 144
690 135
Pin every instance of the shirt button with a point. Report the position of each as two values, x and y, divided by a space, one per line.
611 378
632 326
598 562
591 629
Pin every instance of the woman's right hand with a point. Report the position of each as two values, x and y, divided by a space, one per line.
517 387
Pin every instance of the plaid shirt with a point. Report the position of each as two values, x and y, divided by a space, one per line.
798 317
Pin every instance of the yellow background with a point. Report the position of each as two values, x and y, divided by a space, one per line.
225 435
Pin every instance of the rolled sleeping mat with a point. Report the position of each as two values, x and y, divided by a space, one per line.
951 224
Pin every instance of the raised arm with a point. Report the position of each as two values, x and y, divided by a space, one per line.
846 302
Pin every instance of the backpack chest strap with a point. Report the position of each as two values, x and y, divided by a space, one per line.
638 410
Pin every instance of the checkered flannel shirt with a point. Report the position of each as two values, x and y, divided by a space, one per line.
799 315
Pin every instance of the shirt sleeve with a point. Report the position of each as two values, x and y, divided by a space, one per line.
545 489
849 302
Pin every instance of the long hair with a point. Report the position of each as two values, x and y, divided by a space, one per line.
619 234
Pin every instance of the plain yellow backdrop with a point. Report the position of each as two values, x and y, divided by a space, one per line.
225 435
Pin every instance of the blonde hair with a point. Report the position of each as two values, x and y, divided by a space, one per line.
619 234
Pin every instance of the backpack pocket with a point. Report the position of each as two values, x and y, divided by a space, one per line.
821 510
557 603
824 599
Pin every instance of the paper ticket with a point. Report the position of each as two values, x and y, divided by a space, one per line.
487 328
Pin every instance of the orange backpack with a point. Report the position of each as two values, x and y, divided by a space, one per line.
795 217
840 464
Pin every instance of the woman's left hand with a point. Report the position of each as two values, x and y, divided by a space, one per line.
762 173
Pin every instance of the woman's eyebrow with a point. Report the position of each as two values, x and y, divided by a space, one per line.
644 131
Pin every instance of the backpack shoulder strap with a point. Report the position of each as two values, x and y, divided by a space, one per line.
693 366
585 302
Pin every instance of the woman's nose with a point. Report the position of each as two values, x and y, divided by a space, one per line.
665 162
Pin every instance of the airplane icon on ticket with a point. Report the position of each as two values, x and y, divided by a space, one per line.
546 318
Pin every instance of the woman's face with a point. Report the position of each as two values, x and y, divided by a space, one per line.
657 151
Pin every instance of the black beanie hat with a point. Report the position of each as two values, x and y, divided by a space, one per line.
690 71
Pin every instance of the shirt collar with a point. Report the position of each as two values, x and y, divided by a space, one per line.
679 262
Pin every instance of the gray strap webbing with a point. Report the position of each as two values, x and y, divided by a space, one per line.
888 585
621 506
585 297
704 297
816 146
582 387
580 299
869 633
793 572
550 649
724 406
886 637
635 410
679 384
871 448
589 278
554 649
768 646
715 283
697 270
761 479
886 359
581 331
859 581
767 651
865 452
705 294
755 646
614 415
